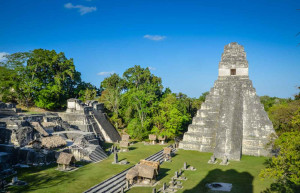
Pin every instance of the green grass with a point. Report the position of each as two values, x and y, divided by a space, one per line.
47 179
243 175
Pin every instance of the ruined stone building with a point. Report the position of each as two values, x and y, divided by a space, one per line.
38 139
90 117
232 121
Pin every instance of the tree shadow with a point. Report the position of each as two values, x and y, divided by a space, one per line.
241 182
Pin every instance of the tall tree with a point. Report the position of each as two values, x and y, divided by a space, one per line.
14 84
285 167
168 118
143 91
112 88
49 72
283 116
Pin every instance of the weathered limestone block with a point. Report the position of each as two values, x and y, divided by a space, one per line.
231 121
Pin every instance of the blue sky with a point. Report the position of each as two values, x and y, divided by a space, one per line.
182 41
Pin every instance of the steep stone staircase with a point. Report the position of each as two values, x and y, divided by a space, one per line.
97 154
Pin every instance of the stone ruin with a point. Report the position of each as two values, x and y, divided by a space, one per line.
38 139
232 121
8 109
90 117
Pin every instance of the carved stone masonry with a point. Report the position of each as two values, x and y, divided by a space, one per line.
232 121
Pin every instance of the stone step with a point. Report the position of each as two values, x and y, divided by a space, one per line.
98 154
203 120
193 128
198 137
189 145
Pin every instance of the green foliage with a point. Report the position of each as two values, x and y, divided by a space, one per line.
112 88
13 87
87 91
136 101
268 102
285 167
285 117
169 120
203 96
143 90
43 78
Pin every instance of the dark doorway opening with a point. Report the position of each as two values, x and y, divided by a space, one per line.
232 72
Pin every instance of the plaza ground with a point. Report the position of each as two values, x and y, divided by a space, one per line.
243 174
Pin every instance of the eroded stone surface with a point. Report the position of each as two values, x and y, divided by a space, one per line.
232 121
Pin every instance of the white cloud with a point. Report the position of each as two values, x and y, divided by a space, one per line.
105 73
155 37
151 68
2 54
81 9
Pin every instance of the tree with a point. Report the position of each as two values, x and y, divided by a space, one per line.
49 73
112 88
203 96
142 92
284 116
268 102
168 119
86 91
14 83
285 167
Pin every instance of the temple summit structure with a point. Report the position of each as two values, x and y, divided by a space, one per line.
232 121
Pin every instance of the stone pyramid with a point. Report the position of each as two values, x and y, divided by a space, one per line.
232 121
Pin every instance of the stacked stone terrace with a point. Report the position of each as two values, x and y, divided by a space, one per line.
231 121
90 117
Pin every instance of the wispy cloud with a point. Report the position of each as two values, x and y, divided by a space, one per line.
155 37
152 68
2 54
81 9
105 73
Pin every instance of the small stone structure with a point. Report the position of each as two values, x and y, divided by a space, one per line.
152 138
232 121
124 146
212 160
65 161
125 137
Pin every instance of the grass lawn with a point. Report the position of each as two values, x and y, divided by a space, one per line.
243 175
47 179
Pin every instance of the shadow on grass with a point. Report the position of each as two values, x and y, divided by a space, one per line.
132 148
38 180
241 182
162 173
106 146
